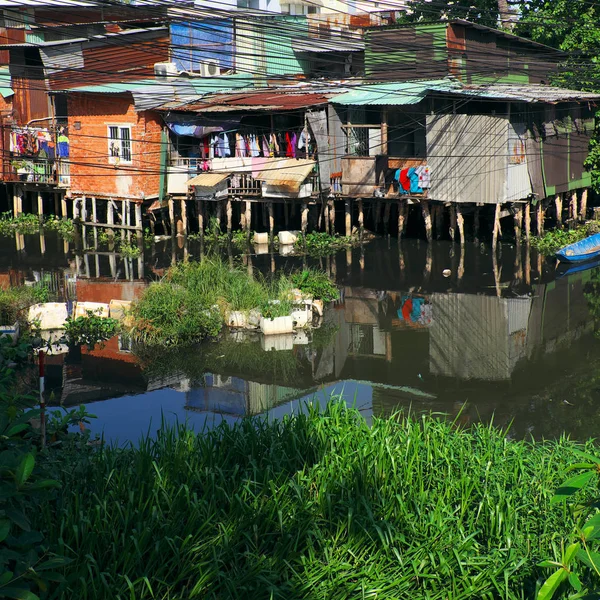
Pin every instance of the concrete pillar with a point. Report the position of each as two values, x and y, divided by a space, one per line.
558 209
527 221
460 220
348 217
427 219
304 218
583 205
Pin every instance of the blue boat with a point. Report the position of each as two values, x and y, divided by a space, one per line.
565 269
580 251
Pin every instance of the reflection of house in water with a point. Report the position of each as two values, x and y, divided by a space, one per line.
235 396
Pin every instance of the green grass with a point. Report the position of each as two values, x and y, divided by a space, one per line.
316 506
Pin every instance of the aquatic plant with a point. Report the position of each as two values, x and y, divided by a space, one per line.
64 227
27 223
89 330
555 239
318 243
316 284
319 505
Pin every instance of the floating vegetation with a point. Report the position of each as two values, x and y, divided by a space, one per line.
192 301
29 224
318 505
555 239
321 244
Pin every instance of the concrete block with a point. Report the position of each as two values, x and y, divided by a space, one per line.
286 249
49 315
236 318
119 308
301 318
277 325
301 337
261 238
261 248
277 342
288 237
99 309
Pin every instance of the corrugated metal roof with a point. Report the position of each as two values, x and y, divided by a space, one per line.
63 57
286 172
5 83
528 93
329 44
397 93
255 100
208 179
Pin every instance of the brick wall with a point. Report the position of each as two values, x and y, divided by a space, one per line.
91 171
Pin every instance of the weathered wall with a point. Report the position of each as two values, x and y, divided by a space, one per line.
91 172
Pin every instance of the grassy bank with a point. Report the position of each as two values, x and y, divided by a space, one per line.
316 506
190 303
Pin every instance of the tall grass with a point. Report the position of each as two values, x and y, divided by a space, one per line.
314 506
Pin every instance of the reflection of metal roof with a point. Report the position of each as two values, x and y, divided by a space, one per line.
328 44
208 179
289 99
286 172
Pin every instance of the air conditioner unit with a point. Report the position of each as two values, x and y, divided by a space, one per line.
210 69
165 69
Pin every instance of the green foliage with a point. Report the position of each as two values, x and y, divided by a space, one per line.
576 562
65 227
316 284
319 243
484 12
90 330
555 239
15 299
278 308
319 505
128 249
29 223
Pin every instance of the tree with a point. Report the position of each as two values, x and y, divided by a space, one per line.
484 12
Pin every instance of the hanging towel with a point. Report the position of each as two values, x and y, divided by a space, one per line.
404 180
424 172
240 145
265 147
226 147
413 178
304 139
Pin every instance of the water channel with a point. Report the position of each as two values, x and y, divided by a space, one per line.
510 339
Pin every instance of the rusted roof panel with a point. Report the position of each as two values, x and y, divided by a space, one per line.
260 100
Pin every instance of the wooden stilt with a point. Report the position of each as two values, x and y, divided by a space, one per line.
42 242
184 221
527 221
496 229
361 218
452 221
331 217
286 215
263 211
243 216
558 209
172 217
573 206
248 217
326 225
40 207
304 218
518 224
583 205
439 220
377 216
386 218
271 220
138 221
348 257
218 214
17 202
348 217
539 221
200 207
75 209
401 218
56 197
229 215
110 217
84 218
63 206
460 221
427 219
124 208
95 221
476 224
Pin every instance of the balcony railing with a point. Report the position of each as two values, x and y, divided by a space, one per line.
44 171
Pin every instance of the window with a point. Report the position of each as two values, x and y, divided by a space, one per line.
119 144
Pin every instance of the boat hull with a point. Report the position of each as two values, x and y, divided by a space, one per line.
582 251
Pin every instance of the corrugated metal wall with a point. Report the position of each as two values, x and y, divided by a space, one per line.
518 182
467 155
209 40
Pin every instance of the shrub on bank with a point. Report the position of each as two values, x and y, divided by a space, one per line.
314 506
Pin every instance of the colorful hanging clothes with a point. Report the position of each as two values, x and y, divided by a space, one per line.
289 149
62 146
294 144
404 180
424 173
413 178
265 147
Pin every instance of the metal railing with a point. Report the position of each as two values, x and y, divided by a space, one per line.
243 184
